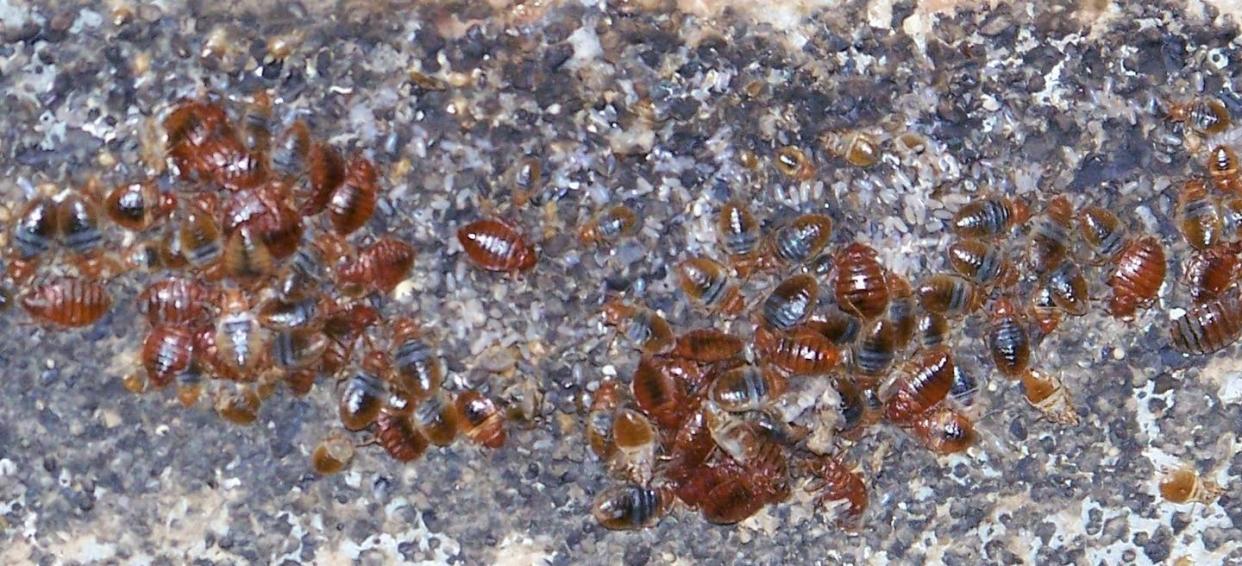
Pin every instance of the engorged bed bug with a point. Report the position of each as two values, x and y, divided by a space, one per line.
36 227
1185 485
950 295
1137 278
631 506
199 237
67 301
438 418
873 354
1209 327
332 454
989 217
398 436
1197 216
981 262
166 352
646 329
608 226
791 301
266 210
353 202
1068 288
298 348
418 369
901 309
1102 231
707 282
1222 165
801 352
746 388
278 313
480 420
932 328
737 230
1050 235
495 245
1207 116
78 224
1008 343
801 239
1048 395
138 206
635 439
247 258
861 284
837 326
362 398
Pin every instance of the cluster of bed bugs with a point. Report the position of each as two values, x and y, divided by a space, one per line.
260 273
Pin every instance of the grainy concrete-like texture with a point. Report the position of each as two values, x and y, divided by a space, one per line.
1028 98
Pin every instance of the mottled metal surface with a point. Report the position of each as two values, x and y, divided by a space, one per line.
1022 99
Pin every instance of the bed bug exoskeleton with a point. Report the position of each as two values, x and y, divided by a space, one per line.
1048 395
609 225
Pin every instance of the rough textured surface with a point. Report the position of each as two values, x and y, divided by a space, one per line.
1014 99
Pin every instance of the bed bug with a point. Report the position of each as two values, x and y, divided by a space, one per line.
801 352
635 439
418 368
837 326
1197 216
265 211
1008 343
325 173
1222 165
646 329
1049 396
737 229
950 295
1050 235
246 258
223 158
945 431
361 400
238 404
193 121
36 227
1231 217
277 313
78 224
480 420
859 407
398 435
876 349
791 301
861 285
239 337
298 348
1209 327
964 387
437 416
932 328
257 124
1212 272
1044 311
67 301
747 388
138 206
353 202
739 491
832 481
166 353
707 282
901 309
631 506
1068 288
690 449
802 238
177 301
856 147
707 345
989 217
657 392
600 419
379 267
1206 116
981 262
301 381
925 382
332 454
608 226
793 163
1185 485
1140 270
199 237
524 178
1102 231
495 245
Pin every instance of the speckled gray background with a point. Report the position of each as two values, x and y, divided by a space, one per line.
1059 98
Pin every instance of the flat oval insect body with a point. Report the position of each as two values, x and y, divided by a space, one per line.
861 285
838 327
200 239
1008 343
138 206
332 454
631 506
1068 288
747 388
1212 272
635 438
876 349
1207 116
1185 485
362 398
266 211
325 172
398 435
1050 235
978 261
949 295
901 309
418 367
945 431
481 421
36 227
1197 216
645 328
298 348
707 282
379 267
496 246
78 224
353 202
802 239
1222 165
657 393
989 217
791 302
609 225
933 329
1102 231
247 258
927 381
1209 327
437 417
280 314
68 301
177 301
707 345
166 353
1050 397
801 352
792 162
834 481
738 229
1138 276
